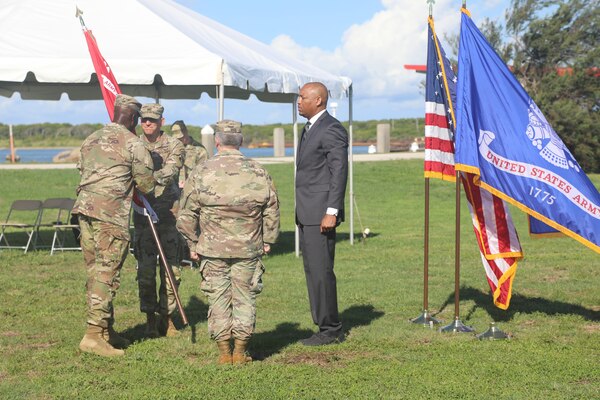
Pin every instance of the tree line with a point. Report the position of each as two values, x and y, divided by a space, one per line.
68 135
552 48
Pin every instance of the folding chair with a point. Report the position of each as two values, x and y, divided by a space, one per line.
23 215
54 212
67 224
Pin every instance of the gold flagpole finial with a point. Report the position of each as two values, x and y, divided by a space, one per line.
431 3
79 14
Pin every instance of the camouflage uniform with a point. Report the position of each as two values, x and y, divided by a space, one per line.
167 155
111 161
233 202
194 154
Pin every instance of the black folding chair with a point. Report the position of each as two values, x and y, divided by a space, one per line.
23 216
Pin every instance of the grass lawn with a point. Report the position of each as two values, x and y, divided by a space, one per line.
554 316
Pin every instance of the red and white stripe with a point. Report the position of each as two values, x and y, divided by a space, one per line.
497 239
439 147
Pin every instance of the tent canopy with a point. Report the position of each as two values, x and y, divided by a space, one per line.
156 48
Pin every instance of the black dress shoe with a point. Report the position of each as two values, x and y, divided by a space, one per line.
321 339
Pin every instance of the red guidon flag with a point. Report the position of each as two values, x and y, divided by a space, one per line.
108 83
110 89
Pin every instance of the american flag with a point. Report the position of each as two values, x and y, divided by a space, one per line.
493 226
440 97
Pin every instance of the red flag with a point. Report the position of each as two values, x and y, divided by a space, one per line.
110 89
493 226
106 79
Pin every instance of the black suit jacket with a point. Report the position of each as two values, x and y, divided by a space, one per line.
321 171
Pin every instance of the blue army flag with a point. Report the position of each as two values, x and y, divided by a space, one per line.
538 229
504 139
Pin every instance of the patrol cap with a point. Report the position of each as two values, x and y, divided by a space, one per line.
176 132
123 100
228 126
152 110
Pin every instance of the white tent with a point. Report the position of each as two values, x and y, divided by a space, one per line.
156 48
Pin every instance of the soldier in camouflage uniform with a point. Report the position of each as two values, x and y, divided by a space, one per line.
195 153
167 155
233 202
112 161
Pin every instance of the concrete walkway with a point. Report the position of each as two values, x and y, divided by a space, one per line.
262 160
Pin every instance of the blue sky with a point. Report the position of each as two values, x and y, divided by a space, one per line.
369 41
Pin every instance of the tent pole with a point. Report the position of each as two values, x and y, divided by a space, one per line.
218 102
351 167
221 101
295 129
221 94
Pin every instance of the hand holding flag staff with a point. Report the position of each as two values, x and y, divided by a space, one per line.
110 89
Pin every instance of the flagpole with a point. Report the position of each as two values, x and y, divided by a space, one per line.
168 272
457 325
425 318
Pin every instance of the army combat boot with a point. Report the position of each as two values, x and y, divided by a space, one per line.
151 330
239 352
93 342
167 327
114 339
224 352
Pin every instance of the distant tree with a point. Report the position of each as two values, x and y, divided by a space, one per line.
555 56
552 48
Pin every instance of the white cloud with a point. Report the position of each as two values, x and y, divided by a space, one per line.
374 53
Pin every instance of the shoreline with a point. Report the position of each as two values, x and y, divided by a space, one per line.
262 160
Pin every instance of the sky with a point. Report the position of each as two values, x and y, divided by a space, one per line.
369 41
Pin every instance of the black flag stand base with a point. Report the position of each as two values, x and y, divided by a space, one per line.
425 319
493 333
457 327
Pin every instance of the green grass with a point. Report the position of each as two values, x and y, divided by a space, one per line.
554 317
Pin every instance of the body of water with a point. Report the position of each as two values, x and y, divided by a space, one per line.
46 155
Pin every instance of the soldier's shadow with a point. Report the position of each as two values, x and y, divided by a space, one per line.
195 310
286 242
266 344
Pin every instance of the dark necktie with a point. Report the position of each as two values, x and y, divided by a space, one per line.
306 128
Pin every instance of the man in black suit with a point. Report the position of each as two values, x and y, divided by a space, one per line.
321 174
